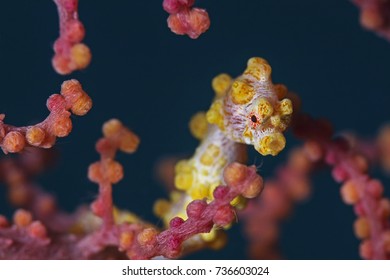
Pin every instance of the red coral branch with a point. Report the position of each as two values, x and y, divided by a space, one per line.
17 174
70 53
57 124
350 167
349 158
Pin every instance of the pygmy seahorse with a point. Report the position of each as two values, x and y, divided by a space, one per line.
247 110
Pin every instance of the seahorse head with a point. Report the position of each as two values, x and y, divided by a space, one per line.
252 109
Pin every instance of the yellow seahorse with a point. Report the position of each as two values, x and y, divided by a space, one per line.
247 110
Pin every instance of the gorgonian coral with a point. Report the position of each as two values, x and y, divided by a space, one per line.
211 190
58 124
70 53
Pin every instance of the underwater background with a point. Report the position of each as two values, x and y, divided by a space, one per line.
154 81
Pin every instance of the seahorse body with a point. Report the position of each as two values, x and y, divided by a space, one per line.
247 110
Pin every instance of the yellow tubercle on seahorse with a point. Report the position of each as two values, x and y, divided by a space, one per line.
247 110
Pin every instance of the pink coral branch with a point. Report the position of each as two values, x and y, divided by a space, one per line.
70 53
350 168
57 124
17 173
142 241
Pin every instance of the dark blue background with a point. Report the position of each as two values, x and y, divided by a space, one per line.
154 81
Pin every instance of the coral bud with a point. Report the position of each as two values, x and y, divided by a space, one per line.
74 31
70 87
196 208
13 142
298 161
3 221
62 126
112 128
56 102
224 216
371 19
128 142
126 239
46 205
35 135
98 207
384 207
375 188
114 171
253 187
80 55
243 179
313 150
61 64
220 192
359 210
362 228
349 192
193 22
49 141
37 229
82 105
95 172
147 237
174 6
366 250
176 222
340 174
22 218
235 174
19 195
360 163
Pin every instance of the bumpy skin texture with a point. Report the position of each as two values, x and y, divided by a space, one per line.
247 110
375 16
70 53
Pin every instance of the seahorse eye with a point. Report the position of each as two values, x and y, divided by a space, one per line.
254 119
